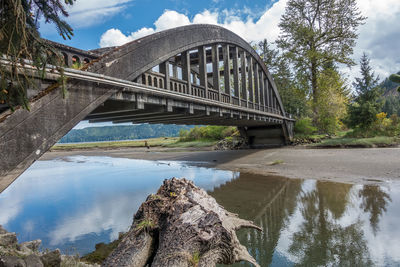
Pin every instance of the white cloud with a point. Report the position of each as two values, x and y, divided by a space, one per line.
171 19
90 12
379 37
265 27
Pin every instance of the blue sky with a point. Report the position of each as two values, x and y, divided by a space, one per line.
131 15
101 23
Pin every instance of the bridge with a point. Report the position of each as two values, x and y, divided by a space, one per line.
196 74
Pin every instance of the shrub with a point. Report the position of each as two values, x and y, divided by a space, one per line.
382 126
304 126
207 132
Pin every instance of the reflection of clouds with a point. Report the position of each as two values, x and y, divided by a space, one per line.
79 195
112 212
115 210
10 209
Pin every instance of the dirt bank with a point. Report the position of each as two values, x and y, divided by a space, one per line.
362 165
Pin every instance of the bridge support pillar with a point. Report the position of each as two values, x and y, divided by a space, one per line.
264 136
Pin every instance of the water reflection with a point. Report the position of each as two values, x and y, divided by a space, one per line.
312 223
82 201
77 202
374 201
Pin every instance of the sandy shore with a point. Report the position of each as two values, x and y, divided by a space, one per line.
371 165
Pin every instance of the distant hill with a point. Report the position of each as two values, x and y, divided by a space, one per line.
129 132
391 97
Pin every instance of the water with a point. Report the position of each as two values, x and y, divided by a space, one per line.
76 202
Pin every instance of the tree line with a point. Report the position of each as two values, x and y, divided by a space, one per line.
317 38
125 132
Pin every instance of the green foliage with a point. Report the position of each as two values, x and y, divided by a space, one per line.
396 79
145 225
316 32
391 105
195 259
362 113
207 133
20 40
102 251
277 162
304 126
331 101
378 141
382 126
126 132
294 99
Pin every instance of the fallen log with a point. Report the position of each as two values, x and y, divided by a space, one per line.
181 226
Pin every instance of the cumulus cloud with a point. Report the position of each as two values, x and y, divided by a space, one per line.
251 30
378 37
89 12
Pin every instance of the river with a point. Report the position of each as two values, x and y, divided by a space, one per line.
74 202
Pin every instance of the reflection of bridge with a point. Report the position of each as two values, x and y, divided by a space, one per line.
268 201
198 74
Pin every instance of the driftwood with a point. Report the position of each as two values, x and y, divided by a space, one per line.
181 225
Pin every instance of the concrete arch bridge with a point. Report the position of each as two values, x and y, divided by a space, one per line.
196 74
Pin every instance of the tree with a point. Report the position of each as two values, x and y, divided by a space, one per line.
314 32
331 101
20 40
362 113
294 99
396 79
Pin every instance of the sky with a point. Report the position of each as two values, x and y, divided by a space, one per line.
101 23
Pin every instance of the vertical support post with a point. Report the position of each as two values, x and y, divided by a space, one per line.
250 75
186 76
203 68
243 73
164 69
273 99
267 94
227 70
262 91
215 66
256 87
236 72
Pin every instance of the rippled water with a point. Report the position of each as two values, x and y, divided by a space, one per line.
76 202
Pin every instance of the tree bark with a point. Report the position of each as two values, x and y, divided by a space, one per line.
181 226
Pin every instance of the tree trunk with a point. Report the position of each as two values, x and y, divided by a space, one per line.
315 91
181 225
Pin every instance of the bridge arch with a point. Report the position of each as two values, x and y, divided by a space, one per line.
131 60
205 42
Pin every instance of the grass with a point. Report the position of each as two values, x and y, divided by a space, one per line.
152 142
379 141
146 225
195 259
277 162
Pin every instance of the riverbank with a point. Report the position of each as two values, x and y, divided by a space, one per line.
357 165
